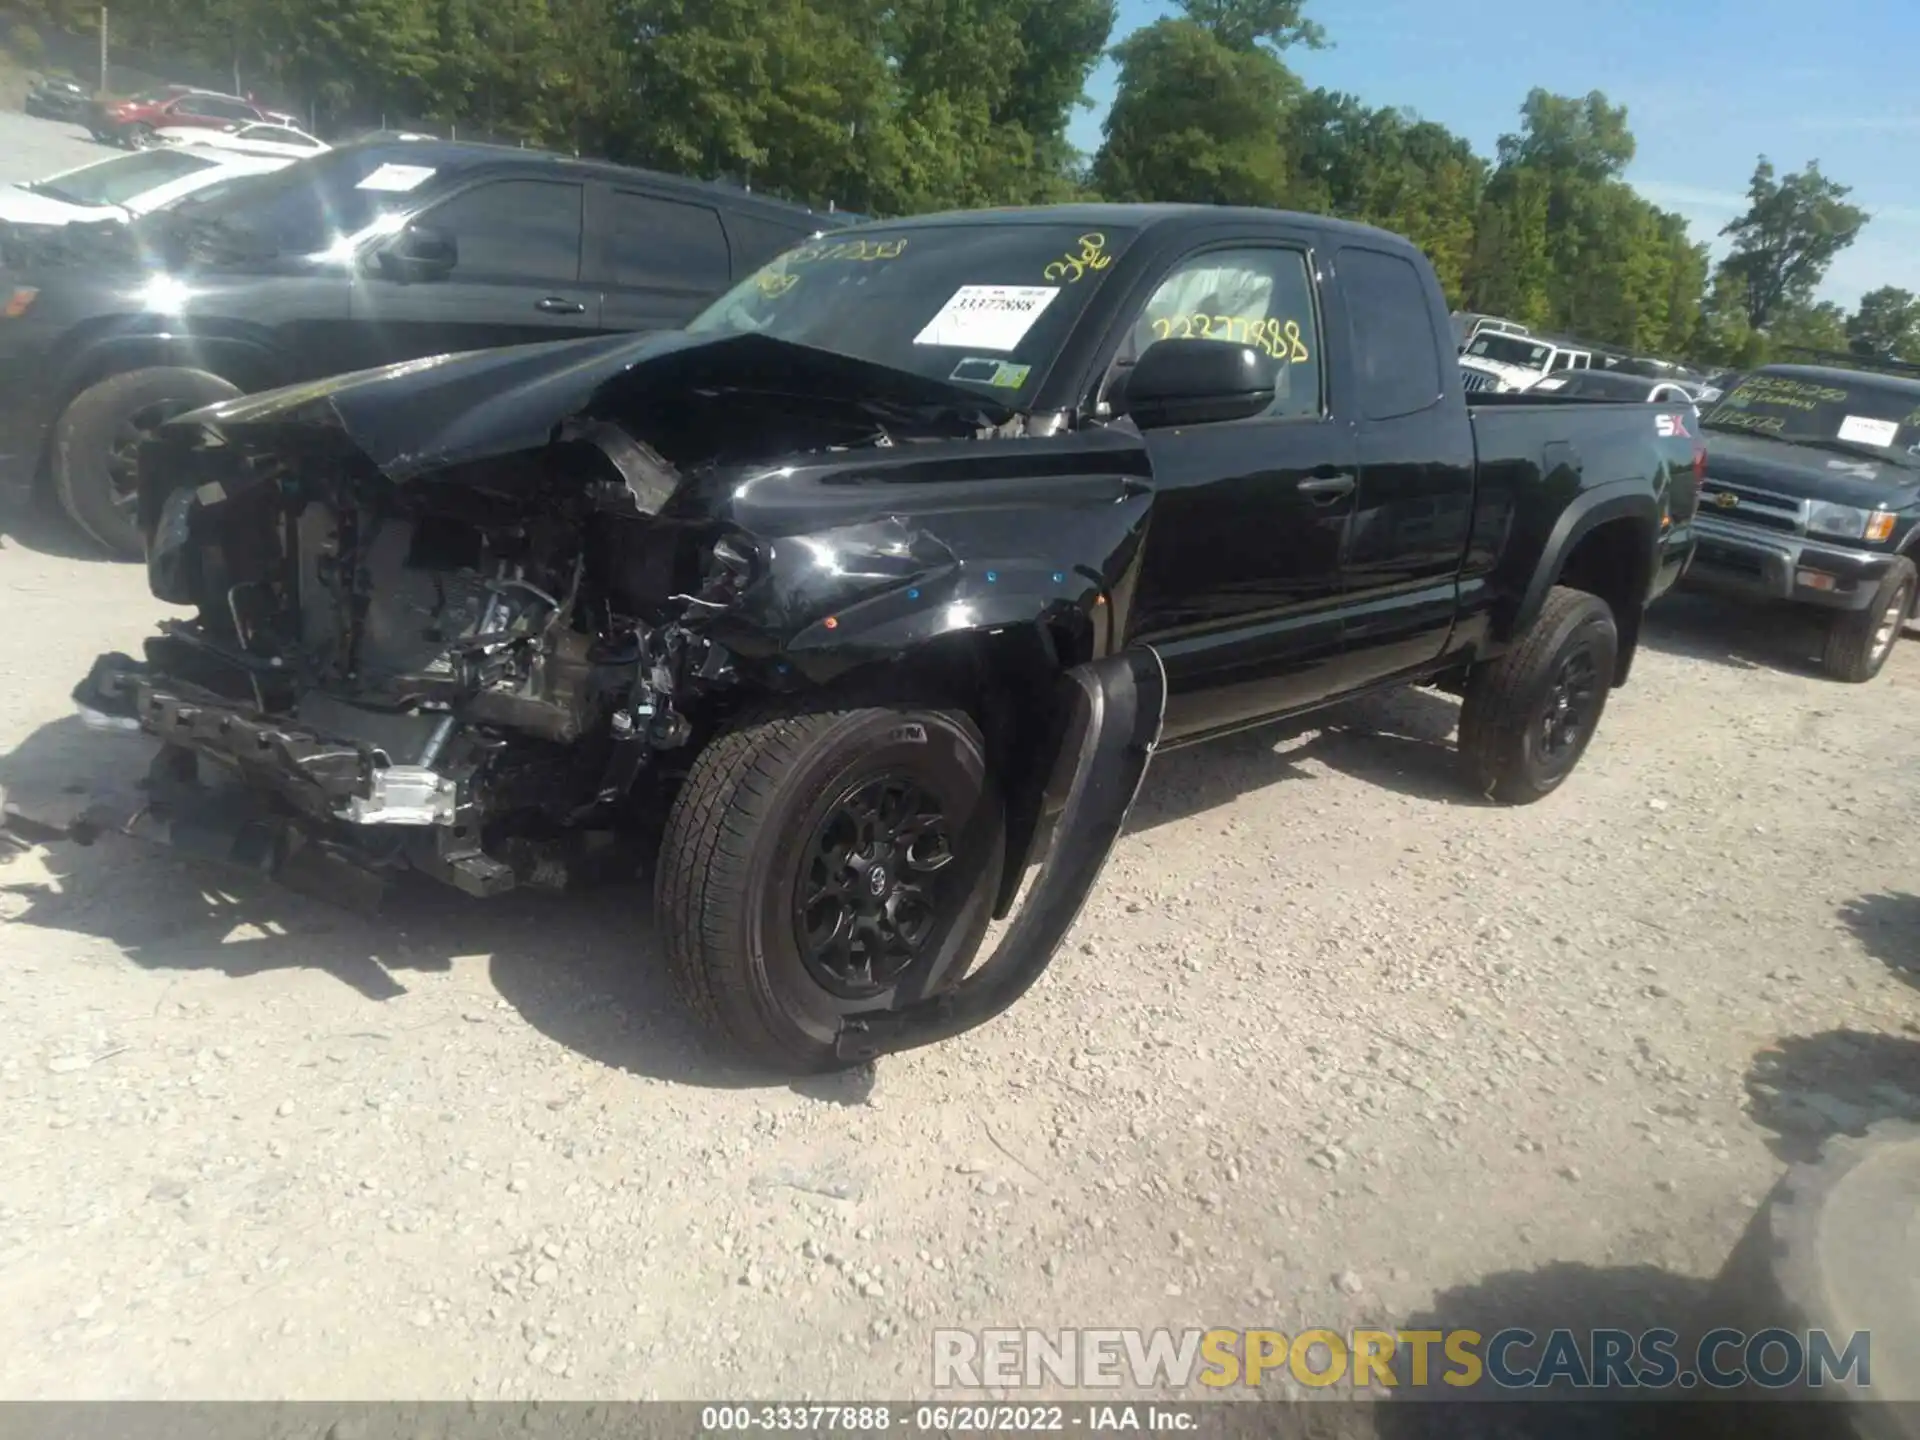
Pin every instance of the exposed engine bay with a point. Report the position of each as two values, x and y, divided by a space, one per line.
463 658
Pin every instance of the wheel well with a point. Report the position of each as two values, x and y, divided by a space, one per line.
237 364
1009 679
1614 560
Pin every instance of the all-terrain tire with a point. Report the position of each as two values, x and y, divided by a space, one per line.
1833 1250
97 421
1510 701
732 856
1859 642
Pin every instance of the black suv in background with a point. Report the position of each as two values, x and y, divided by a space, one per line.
386 250
1812 495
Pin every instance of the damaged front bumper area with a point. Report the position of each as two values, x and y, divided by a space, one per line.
331 818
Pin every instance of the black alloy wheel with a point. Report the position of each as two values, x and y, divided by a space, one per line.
826 861
870 891
1567 718
1530 713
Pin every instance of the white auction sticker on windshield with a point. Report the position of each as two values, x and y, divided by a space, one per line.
1859 430
987 317
397 178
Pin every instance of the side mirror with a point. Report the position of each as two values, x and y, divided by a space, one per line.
1197 382
418 253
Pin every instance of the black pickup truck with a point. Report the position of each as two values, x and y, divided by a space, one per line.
1813 497
877 587
387 249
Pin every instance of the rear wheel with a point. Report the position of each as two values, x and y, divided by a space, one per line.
1529 715
96 439
1859 642
821 863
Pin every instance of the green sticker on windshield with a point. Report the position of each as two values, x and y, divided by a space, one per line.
1001 374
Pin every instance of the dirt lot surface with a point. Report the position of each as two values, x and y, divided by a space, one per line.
32 149
1332 1044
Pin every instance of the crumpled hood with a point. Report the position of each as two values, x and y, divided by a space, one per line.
1805 472
449 410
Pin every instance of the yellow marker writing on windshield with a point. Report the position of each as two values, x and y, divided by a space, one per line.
1070 267
858 250
1283 341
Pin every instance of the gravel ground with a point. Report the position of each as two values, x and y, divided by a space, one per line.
1332 1044
32 148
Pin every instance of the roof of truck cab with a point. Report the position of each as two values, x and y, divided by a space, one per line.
455 155
1147 216
1841 375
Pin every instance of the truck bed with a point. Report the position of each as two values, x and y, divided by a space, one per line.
1564 445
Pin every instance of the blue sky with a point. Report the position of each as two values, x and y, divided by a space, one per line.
1709 86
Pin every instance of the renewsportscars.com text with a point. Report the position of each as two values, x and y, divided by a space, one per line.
1511 1359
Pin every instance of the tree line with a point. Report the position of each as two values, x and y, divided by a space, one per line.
892 107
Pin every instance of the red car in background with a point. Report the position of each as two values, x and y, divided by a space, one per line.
132 122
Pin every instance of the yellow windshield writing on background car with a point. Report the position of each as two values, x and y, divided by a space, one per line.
1071 267
1730 419
1781 389
1744 397
855 250
777 279
1281 340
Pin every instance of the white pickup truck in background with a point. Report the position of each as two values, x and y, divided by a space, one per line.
1504 363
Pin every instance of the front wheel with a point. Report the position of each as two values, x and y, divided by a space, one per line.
97 437
1859 642
139 137
1529 715
827 862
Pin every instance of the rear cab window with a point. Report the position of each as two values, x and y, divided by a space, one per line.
1395 345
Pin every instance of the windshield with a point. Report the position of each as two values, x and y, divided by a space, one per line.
1863 414
116 181
978 304
314 204
1510 350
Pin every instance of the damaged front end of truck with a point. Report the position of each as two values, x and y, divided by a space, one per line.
472 616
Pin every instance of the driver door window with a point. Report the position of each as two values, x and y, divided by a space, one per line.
1261 297
524 231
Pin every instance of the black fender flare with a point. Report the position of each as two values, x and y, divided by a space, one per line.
1118 705
1617 500
237 358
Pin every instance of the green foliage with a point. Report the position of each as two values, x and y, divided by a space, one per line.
1586 138
1194 119
1789 236
1886 326
25 43
1387 168
900 106
1245 24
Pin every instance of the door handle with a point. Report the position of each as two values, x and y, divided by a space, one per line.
554 305
1324 488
